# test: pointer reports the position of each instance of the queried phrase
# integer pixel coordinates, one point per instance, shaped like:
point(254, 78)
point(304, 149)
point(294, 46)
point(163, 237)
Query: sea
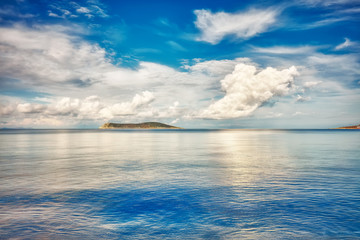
point(179, 184)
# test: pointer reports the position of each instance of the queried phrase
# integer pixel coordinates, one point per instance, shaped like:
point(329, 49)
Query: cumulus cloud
point(6, 109)
point(128, 108)
point(245, 90)
point(30, 108)
point(86, 108)
point(215, 26)
point(92, 107)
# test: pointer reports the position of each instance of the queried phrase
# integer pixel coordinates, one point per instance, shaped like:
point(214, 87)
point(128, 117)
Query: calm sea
point(180, 184)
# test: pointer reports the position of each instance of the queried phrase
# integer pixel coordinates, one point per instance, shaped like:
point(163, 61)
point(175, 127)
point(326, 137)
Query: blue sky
point(195, 64)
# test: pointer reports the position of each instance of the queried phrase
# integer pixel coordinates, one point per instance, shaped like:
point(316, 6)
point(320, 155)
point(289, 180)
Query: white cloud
point(334, 66)
point(30, 108)
point(39, 121)
point(174, 121)
point(215, 26)
point(298, 114)
point(8, 10)
point(311, 84)
point(72, 9)
point(245, 90)
point(345, 44)
point(328, 3)
point(215, 67)
point(128, 108)
point(300, 98)
point(176, 46)
point(274, 115)
point(48, 56)
point(99, 11)
point(285, 50)
point(51, 14)
point(91, 107)
point(83, 10)
point(6, 109)
point(325, 21)
point(56, 61)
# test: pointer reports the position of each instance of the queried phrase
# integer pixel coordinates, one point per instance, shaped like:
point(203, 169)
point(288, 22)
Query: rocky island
point(350, 127)
point(145, 125)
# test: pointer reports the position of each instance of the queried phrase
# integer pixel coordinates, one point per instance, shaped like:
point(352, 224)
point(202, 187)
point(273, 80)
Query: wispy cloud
point(345, 44)
point(328, 3)
point(285, 50)
point(11, 11)
point(176, 46)
point(325, 22)
point(215, 26)
point(301, 98)
point(312, 84)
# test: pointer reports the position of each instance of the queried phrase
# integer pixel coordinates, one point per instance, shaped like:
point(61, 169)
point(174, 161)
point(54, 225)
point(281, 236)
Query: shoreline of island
point(350, 127)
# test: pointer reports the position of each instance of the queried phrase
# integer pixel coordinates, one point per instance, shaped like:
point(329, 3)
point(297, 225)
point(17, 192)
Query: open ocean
point(179, 184)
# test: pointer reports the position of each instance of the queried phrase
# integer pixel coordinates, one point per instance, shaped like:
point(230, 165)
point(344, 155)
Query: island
point(350, 127)
point(145, 125)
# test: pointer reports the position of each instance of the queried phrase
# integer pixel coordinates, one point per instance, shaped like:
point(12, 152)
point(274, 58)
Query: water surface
point(180, 184)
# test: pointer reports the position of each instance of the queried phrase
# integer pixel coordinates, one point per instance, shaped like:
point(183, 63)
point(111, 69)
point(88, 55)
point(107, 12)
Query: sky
point(192, 64)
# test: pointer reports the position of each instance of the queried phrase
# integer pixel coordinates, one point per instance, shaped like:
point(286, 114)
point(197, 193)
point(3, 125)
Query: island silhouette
point(145, 125)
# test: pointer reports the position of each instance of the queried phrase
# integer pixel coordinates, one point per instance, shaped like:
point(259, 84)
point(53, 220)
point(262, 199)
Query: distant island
point(350, 127)
point(145, 125)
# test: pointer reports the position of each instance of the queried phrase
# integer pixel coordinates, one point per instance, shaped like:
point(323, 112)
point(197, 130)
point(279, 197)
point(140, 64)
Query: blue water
point(180, 184)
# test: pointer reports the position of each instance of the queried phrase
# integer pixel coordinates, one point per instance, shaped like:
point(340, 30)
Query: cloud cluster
point(245, 90)
point(57, 62)
point(55, 59)
point(91, 107)
point(215, 26)
point(90, 9)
